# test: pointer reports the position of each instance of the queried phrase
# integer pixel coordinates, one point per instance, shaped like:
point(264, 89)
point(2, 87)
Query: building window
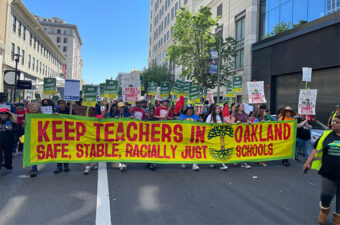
point(33, 63)
point(12, 51)
point(239, 59)
point(38, 45)
point(34, 42)
point(65, 49)
point(240, 33)
point(185, 2)
point(19, 28)
point(14, 26)
point(172, 13)
point(40, 68)
point(65, 40)
point(37, 66)
point(29, 61)
point(23, 57)
point(219, 10)
point(58, 31)
point(24, 32)
point(240, 29)
point(65, 31)
point(58, 39)
point(31, 36)
point(18, 52)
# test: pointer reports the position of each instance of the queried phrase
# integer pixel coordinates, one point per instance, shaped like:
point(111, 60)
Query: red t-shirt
point(139, 113)
point(20, 116)
point(160, 111)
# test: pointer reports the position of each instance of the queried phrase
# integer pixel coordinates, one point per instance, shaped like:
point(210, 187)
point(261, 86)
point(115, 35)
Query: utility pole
point(17, 56)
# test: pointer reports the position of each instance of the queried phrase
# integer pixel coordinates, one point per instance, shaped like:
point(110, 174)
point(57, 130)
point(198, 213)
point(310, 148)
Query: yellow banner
point(77, 139)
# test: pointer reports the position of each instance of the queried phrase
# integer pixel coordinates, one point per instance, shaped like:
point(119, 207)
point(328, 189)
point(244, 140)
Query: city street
point(170, 195)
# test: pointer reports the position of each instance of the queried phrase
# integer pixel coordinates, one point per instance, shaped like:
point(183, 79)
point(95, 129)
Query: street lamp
point(219, 62)
point(17, 57)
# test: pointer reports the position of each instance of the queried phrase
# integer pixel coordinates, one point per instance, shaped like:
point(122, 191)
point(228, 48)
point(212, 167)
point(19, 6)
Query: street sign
point(24, 84)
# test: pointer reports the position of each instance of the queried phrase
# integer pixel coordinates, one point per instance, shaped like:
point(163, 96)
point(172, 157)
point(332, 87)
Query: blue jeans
point(18, 134)
point(305, 145)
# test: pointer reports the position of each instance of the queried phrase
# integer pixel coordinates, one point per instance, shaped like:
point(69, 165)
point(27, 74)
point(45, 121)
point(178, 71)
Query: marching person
point(62, 109)
point(286, 114)
point(326, 156)
point(260, 117)
point(122, 113)
point(163, 112)
point(151, 117)
point(35, 108)
point(190, 115)
point(303, 137)
point(216, 117)
point(112, 111)
point(20, 112)
point(239, 116)
point(92, 113)
point(138, 111)
point(333, 115)
point(8, 127)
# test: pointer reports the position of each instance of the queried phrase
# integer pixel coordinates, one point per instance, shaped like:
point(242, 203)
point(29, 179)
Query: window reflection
point(279, 15)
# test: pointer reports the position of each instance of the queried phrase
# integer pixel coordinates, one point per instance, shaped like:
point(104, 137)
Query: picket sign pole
point(87, 111)
point(71, 108)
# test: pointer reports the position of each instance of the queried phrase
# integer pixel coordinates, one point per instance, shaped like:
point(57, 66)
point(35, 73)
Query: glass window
point(65, 31)
point(33, 63)
point(29, 61)
point(272, 4)
point(14, 26)
point(299, 16)
point(36, 68)
point(22, 57)
point(240, 29)
point(58, 39)
point(65, 49)
point(273, 20)
point(31, 37)
point(12, 50)
point(24, 32)
point(316, 9)
point(18, 50)
point(219, 10)
point(286, 14)
point(40, 68)
point(58, 31)
point(19, 28)
point(38, 45)
point(34, 42)
point(65, 40)
point(239, 59)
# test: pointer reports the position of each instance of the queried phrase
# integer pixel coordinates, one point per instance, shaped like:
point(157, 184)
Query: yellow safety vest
point(317, 163)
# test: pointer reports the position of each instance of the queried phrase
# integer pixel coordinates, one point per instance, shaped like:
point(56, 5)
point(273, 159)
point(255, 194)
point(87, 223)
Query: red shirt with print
point(160, 111)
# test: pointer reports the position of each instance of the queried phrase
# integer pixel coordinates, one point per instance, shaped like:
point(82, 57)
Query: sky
point(114, 33)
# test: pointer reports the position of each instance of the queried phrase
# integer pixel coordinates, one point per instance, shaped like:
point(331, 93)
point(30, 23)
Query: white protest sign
point(131, 87)
point(46, 109)
point(248, 108)
point(72, 90)
point(256, 92)
point(306, 74)
point(307, 101)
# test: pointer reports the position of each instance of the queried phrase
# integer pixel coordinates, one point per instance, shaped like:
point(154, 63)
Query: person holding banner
point(8, 128)
point(326, 160)
point(163, 112)
point(151, 117)
point(216, 116)
point(303, 137)
point(333, 115)
point(239, 116)
point(260, 117)
point(189, 115)
point(62, 109)
point(21, 112)
point(35, 108)
point(286, 114)
point(138, 111)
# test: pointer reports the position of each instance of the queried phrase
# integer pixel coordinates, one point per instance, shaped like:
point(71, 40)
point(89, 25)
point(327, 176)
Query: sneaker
point(183, 166)
point(195, 167)
point(122, 167)
point(223, 167)
point(33, 173)
point(87, 170)
point(153, 166)
point(212, 166)
point(66, 168)
point(58, 170)
point(245, 165)
point(263, 164)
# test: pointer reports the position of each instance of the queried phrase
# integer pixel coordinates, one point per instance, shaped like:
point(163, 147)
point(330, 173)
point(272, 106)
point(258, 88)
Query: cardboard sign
point(194, 95)
point(256, 92)
point(165, 89)
point(152, 88)
point(237, 84)
point(46, 109)
point(307, 74)
point(90, 95)
point(307, 101)
point(177, 89)
point(111, 88)
point(72, 90)
point(230, 92)
point(131, 87)
point(79, 110)
point(50, 86)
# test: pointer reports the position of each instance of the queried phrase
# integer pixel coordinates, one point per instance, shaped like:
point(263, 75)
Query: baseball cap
point(121, 104)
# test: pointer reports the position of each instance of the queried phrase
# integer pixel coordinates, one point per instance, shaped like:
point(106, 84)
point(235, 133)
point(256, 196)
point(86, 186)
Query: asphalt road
point(170, 195)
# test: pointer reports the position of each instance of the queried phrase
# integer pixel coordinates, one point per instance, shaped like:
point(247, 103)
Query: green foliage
point(157, 74)
point(222, 155)
point(193, 42)
point(279, 28)
point(300, 23)
point(221, 130)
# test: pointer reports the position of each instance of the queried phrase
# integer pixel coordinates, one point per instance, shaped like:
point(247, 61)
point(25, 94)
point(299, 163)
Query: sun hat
point(121, 104)
point(289, 109)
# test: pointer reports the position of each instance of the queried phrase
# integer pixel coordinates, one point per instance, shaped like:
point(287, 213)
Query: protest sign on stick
point(307, 101)
point(256, 92)
point(72, 90)
point(131, 87)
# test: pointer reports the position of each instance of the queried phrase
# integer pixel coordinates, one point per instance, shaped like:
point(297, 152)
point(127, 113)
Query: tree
point(279, 28)
point(221, 154)
point(193, 42)
point(157, 74)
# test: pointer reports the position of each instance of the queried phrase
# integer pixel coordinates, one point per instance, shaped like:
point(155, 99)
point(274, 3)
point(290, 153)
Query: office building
point(67, 38)
point(27, 42)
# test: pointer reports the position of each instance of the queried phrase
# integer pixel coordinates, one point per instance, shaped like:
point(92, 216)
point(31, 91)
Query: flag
point(179, 105)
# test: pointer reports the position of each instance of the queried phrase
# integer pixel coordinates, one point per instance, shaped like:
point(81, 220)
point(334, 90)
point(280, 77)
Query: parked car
point(317, 128)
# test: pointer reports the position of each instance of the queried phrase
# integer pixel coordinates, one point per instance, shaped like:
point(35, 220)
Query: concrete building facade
point(238, 19)
point(67, 38)
point(25, 38)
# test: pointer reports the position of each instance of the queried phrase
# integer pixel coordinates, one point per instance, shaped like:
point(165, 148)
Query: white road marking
point(103, 213)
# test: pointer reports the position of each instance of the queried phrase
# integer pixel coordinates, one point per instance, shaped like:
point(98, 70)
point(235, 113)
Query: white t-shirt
point(209, 119)
point(139, 115)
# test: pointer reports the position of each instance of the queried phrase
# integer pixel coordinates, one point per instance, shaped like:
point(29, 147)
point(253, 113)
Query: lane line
point(103, 212)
